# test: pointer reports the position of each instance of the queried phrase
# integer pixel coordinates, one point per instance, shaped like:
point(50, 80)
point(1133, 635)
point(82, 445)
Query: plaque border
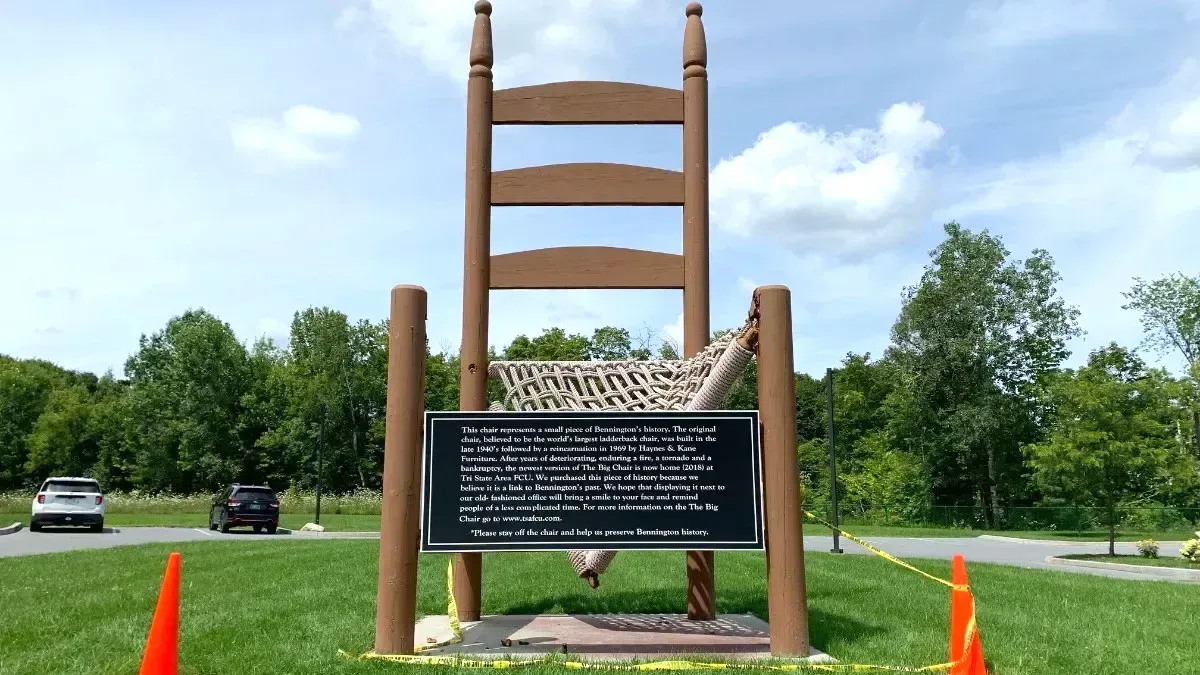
point(431, 416)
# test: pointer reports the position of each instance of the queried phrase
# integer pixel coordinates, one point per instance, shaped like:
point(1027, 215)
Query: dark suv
point(245, 505)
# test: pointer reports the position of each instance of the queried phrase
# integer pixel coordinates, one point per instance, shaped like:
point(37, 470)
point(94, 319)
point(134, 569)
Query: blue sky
point(257, 158)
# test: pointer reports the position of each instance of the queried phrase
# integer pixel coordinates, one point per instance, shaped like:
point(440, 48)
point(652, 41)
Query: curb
point(1177, 573)
point(341, 534)
point(1018, 540)
point(11, 529)
point(1060, 542)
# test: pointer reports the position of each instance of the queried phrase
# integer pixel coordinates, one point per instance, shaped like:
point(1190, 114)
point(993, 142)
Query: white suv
point(68, 501)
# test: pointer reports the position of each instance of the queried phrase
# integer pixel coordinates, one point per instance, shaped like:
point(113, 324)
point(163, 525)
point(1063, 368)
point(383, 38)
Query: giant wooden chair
point(698, 380)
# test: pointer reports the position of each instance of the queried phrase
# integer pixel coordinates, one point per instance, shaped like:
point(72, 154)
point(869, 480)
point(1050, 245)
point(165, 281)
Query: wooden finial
point(481, 41)
point(695, 48)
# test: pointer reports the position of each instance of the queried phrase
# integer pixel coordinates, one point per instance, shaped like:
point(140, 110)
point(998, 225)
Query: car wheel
point(271, 529)
point(224, 525)
point(98, 527)
point(35, 527)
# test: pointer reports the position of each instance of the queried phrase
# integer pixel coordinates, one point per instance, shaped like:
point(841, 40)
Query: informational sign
point(527, 481)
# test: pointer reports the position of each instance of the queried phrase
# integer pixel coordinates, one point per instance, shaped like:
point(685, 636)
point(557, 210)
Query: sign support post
point(396, 613)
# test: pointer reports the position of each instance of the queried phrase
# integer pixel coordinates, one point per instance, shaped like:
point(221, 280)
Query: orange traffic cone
point(966, 649)
point(162, 646)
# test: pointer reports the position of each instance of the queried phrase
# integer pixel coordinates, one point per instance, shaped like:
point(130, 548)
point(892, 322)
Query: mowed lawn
point(287, 607)
point(343, 522)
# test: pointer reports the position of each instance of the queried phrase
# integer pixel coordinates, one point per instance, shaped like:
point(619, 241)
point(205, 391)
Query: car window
point(89, 486)
point(252, 494)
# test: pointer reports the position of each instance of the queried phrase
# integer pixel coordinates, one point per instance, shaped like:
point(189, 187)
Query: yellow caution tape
point(451, 612)
point(885, 555)
point(502, 664)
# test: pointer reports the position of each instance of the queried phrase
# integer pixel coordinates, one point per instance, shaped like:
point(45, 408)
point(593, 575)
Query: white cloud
point(271, 327)
point(534, 40)
point(1122, 202)
point(1005, 23)
point(305, 119)
point(844, 193)
point(1177, 144)
point(292, 140)
point(1011, 23)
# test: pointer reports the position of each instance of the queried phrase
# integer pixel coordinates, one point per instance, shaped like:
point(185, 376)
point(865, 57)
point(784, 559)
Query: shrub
point(1190, 550)
point(1148, 548)
point(1153, 518)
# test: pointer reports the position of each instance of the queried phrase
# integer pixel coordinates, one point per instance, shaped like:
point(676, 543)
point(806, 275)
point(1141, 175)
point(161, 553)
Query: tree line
point(968, 405)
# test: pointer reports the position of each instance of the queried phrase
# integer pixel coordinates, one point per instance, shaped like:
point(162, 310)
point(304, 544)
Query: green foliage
point(554, 344)
point(967, 409)
point(199, 409)
point(1110, 439)
point(974, 342)
point(886, 476)
point(1190, 551)
point(1170, 313)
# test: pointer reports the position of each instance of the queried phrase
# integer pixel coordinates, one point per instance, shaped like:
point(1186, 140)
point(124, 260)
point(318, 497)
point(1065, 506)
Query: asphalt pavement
point(54, 540)
point(1026, 553)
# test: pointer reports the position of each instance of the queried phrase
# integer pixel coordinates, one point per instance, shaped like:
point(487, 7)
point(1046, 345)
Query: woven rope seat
point(697, 383)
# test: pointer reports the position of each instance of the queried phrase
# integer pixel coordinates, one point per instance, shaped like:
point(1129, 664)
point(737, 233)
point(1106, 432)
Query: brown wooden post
point(396, 613)
point(701, 600)
point(473, 365)
point(787, 605)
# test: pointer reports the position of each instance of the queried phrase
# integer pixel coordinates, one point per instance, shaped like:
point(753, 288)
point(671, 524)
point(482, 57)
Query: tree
point(1111, 438)
point(63, 440)
point(610, 344)
point(975, 339)
point(265, 426)
point(27, 388)
point(1170, 315)
point(111, 424)
point(441, 381)
point(882, 476)
point(343, 366)
point(554, 344)
point(185, 404)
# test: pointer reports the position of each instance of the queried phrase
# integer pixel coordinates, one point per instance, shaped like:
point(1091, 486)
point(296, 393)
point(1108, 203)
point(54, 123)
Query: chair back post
point(477, 243)
point(701, 593)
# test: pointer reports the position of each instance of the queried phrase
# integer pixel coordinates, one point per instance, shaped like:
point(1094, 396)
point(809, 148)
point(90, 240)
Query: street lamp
point(832, 460)
point(320, 460)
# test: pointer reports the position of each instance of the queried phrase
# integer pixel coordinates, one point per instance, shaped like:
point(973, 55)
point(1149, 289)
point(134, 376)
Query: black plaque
point(530, 481)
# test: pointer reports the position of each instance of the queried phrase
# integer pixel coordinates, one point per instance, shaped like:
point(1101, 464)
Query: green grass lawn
point(287, 607)
point(370, 523)
point(1137, 560)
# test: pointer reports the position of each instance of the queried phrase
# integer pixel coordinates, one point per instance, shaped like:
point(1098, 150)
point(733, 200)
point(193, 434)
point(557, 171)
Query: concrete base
point(605, 637)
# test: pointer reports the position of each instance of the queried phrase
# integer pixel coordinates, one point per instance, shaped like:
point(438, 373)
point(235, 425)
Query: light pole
point(832, 460)
point(320, 461)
